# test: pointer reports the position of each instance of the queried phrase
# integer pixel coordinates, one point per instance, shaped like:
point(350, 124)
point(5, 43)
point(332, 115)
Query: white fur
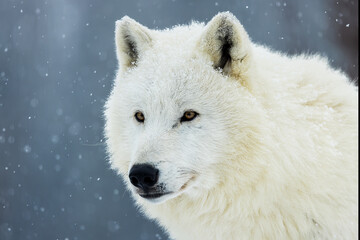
point(273, 153)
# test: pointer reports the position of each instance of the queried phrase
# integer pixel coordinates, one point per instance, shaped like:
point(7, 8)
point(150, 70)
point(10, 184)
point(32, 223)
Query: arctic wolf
point(217, 137)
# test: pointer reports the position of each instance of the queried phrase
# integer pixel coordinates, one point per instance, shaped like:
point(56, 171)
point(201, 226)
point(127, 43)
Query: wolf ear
point(131, 40)
point(227, 44)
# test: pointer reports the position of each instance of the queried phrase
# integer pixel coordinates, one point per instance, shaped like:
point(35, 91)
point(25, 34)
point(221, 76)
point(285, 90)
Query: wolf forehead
point(165, 63)
point(175, 87)
point(174, 90)
point(168, 62)
point(177, 78)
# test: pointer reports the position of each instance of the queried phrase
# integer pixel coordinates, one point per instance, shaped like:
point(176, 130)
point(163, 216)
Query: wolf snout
point(143, 176)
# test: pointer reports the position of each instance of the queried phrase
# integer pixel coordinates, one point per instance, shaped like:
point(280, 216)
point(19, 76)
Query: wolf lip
point(152, 195)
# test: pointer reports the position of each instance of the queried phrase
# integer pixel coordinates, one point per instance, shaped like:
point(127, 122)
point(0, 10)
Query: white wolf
point(220, 138)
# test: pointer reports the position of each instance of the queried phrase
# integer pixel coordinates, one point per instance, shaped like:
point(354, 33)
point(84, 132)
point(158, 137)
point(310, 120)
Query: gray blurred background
point(57, 65)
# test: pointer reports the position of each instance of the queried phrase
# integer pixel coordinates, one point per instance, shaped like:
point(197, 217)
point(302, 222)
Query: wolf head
point(178, 97)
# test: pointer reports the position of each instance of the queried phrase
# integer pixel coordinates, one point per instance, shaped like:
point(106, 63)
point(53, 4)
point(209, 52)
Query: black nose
point(143, 176)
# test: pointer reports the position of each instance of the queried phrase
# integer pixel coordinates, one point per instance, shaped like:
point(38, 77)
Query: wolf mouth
point(153, 195)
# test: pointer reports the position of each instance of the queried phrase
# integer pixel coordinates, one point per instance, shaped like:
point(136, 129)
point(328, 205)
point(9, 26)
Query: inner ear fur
point(131, 40)
point(227, 44)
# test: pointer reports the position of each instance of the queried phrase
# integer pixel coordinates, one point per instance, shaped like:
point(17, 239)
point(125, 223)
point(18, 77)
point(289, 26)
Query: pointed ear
point(227, 44)
point(131, 40)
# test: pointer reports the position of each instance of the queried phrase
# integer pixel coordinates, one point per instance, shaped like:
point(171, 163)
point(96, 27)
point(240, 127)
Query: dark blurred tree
point(346, 15)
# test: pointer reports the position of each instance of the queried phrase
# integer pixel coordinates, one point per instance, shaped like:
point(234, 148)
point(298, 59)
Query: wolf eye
point(139, 116)
point(188, 116)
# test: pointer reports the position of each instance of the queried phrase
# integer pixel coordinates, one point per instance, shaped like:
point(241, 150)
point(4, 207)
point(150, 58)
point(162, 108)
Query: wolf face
point(169, 126)
point(231, 138)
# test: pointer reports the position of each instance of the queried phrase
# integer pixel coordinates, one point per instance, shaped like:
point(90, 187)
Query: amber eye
point(139, 116)
point(188, 116)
